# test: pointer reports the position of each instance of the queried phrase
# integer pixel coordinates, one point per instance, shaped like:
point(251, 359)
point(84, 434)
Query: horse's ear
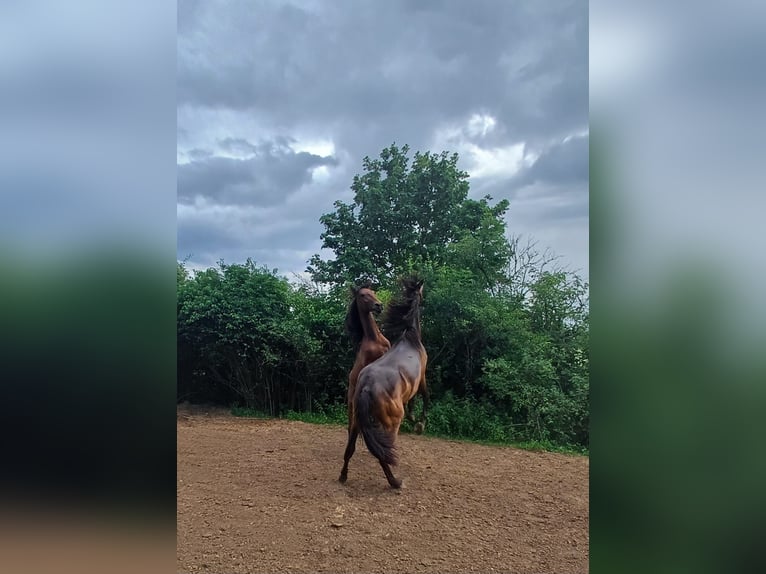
point(354, 290)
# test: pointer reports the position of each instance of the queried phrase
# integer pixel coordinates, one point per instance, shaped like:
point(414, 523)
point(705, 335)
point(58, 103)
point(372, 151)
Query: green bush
point(334, 414)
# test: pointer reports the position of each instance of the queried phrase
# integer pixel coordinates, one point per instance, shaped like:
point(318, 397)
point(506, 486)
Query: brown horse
point(366, 336)
point(385, 386)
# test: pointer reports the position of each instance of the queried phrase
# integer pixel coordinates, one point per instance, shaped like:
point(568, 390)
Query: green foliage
point(410, 215)
point(334, 414)
point(249, 413)
point(238, 330)
point(507, 338)
point(467, 418)
point(480, 421)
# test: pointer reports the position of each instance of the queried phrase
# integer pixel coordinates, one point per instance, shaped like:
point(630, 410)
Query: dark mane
point(402, 316)
point(353, 323)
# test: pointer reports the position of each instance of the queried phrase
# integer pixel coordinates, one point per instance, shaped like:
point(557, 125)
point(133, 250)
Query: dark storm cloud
point(261, 233)
point(268, 177)
point(360, 75)
point(410, 65)
point(576, 209)
point(564, 163)
point(238, 145)
point(549, 200)
point(199, 155)
point(560, 170)
point(205, 238)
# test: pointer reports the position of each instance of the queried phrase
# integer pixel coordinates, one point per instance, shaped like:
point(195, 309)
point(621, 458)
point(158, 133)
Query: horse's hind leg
point(350, 448)
point(392, 480)
point(392, 428)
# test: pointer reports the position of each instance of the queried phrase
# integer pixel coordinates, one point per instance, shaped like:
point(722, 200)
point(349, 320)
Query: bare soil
point(263, 496)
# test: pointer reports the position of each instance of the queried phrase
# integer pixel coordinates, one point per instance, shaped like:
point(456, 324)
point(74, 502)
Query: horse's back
point(398, 371)
point(409, 360)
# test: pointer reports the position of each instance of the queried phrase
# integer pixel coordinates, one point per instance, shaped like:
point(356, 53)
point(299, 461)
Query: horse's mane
point(353, 323)
point(402, 315)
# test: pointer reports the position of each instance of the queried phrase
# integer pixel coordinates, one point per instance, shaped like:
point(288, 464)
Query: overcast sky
point(278, 102)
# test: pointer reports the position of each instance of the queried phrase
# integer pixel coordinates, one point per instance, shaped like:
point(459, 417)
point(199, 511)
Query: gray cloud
point(267, 177)
point(268, 235)
point(358, 76)
point(205, 240)
point(554, 186)
point(562, 163)
point(410, 65)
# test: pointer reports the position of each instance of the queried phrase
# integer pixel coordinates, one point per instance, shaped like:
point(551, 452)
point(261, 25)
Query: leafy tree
point(322, 315)
point(540, 376)
point(236, 329)
point(407, 215)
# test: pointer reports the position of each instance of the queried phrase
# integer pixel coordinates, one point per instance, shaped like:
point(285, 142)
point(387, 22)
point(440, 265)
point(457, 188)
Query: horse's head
point(367, 301)
point(413, 288)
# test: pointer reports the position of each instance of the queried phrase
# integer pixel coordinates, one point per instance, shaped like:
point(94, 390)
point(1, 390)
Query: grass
point(333, 415)
point(249, 413)
point(336, 415)
point(532, 445)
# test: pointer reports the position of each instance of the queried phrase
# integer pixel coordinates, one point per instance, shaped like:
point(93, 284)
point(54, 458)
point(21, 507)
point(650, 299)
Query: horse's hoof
point(396, 483)
point(342, 478)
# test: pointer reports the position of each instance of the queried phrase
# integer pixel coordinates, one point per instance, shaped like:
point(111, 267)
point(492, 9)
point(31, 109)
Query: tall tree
point(411, 214)
point(237, 328)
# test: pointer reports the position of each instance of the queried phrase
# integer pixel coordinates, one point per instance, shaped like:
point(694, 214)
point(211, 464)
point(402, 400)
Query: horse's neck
point(369, 326)
point(414, 328)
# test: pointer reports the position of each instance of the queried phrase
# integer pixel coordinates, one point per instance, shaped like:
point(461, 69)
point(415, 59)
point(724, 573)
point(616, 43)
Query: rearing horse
point(365, 334)
point(385, 386)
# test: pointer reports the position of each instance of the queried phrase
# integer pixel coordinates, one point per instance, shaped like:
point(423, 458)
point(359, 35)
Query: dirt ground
point(263, 496)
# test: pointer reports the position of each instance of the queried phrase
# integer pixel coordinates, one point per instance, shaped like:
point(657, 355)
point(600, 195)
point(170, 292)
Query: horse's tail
point(380, 443)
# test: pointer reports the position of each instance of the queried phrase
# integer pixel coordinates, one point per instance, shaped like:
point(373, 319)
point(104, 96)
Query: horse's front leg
point(408, 411)
point(350, 405)
point(425, 393)
point(350, 448)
